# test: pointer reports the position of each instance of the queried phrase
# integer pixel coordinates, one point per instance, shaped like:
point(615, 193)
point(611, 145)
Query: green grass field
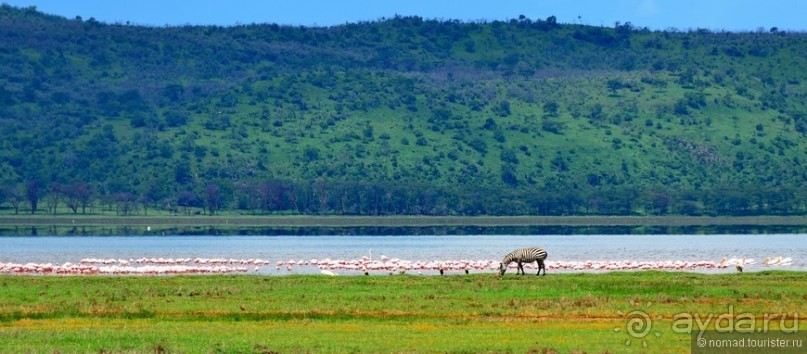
point(477, 313)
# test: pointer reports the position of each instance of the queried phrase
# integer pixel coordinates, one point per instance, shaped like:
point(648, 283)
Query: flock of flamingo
point(365, 265)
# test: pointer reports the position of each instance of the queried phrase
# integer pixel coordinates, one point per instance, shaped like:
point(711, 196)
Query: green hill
point(401, 116)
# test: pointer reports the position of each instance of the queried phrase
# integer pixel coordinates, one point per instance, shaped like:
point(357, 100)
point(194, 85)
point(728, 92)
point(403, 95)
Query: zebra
point(524, 255)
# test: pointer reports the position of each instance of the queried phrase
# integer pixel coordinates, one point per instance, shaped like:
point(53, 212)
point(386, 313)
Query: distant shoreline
point(400, 221)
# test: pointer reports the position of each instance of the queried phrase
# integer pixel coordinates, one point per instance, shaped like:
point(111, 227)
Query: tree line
point(358, 198)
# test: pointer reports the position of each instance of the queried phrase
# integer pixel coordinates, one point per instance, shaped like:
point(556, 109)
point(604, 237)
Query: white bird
point(328, 272)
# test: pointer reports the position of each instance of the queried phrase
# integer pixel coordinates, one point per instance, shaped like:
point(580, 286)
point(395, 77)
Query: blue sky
point(733, 15)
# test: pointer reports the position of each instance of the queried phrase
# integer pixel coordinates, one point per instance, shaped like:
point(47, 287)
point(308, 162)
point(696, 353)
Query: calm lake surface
point(60, 249)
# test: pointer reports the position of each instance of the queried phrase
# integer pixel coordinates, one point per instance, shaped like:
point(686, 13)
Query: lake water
point(61, 249)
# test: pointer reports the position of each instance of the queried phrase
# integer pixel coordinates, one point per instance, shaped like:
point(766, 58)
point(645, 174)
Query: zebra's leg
point(541, 266)
point(520, 269)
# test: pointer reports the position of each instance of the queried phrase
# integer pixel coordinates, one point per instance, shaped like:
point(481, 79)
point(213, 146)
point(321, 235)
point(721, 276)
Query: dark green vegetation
point(412, 221)
point(476, 313)
point(400, 116)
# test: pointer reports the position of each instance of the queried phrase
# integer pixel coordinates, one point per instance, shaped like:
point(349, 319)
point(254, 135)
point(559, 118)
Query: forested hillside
point(400, 116)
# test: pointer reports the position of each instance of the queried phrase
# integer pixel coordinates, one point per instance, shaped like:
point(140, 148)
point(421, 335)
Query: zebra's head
point(502, 269)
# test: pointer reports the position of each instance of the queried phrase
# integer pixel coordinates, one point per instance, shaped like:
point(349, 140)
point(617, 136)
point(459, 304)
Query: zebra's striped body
point(524, 255)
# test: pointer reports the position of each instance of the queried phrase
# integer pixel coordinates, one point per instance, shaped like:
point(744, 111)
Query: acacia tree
point(614, 85)
point(145, 201)
point(32, 192)
point(77, 195)
point(247, 197)
point(83, 192)
point(551, 109)
point(212, 198)
point(270, 195)
point(69, 198)
point(125, 203)
point(53, 197)
point(187, 199)
point(14, 196)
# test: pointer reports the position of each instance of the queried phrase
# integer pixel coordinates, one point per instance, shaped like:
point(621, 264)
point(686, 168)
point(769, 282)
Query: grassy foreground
point(401, 313)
